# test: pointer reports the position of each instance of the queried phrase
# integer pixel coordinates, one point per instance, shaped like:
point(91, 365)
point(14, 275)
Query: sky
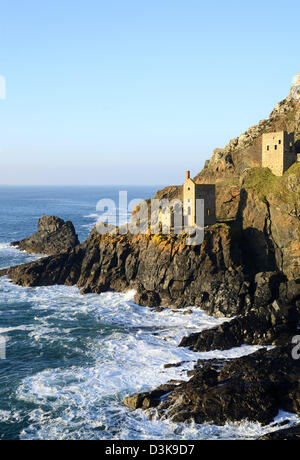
point(136, 91)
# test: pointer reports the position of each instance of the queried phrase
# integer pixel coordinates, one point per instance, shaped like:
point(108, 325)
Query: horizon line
point(85, 185)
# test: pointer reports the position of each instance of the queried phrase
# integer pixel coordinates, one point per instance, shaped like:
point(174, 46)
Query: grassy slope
point(265, 184)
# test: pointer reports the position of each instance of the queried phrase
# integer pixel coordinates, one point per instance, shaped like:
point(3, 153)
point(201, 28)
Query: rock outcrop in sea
point(54, 236)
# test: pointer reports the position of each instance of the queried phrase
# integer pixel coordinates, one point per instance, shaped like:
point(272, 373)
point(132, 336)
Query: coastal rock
point(287, 434)
point(269, 219)
point(251, 388)
point(272, 319)
point(269, 326)
point(147, 299)
point(162, 268)
point(60, 269)
point(264, 210)
point(54, 236)
point(148, 399)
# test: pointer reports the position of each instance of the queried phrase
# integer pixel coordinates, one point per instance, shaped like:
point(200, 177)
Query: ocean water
point(71, 359)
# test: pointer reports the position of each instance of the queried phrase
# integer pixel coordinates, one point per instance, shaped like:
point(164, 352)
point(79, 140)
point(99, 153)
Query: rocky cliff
point(162, 268)
point(269, 215)
point(244, 152)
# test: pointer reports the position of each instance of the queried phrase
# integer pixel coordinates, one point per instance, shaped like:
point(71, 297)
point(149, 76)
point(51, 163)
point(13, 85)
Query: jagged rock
point(54, 236)
point(60, 269)
point(272, 319)
point(266, 212)
point(147, 299)
point(161, 267)
point(267, 287)
point(270, 326)
point(148, 399)
point(253, 387)
point(269, 219)
point(245, 151)
point(3, 272)
point(288, 434)
point(168, 366)
point(215, 364)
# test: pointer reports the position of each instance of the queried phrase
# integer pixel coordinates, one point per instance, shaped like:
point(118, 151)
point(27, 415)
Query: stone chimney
point(187, 175)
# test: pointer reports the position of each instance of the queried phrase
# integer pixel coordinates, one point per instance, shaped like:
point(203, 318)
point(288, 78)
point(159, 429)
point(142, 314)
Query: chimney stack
point(187, 175)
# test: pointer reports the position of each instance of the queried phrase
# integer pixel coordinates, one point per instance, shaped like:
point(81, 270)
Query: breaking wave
point(71, 360)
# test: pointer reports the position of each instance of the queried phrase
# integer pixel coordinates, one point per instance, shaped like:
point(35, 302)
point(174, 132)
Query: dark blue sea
point(68, 360)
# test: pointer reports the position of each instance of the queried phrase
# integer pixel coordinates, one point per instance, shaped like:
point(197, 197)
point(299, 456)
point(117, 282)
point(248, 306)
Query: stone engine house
point(278, 151)
point(193, 192)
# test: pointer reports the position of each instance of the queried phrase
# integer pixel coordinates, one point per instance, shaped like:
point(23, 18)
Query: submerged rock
point(54, 236)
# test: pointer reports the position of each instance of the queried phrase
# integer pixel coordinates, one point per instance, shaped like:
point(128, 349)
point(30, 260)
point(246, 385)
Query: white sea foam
point(4, 330)
point(10, 255)
point(84, 401)
point(92, 216)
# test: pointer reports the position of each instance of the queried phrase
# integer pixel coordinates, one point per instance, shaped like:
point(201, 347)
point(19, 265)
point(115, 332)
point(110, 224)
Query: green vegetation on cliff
point(265, 184)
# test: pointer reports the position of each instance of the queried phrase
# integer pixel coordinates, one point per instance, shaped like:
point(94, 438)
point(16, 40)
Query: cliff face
point(266, 209)
point(244, 152)
point(269, 214)
point(228, 166)
point(163, 269)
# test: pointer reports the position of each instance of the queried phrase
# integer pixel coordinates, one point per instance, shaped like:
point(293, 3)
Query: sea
point(68, 360)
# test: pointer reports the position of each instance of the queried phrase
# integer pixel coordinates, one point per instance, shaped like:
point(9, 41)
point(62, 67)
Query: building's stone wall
point(192, 192)
point(289, 151)
point(189, 196)
point(207, 192)
point(288, 160)
point(278, 151)
point(272, 152)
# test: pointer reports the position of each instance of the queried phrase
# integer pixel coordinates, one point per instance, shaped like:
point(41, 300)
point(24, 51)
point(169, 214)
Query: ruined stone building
point(278, 151)
point(193, 192)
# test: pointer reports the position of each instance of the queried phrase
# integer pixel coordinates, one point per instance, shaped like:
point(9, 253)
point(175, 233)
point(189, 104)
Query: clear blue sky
point(136, 91)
